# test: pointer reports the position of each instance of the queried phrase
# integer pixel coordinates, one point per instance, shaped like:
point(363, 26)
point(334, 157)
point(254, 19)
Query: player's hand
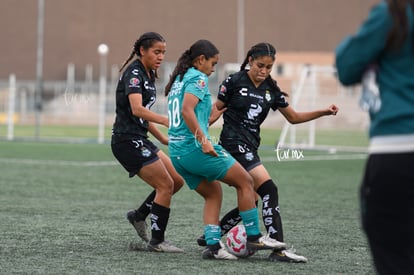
point(333, 109)
point(215, 114)
point(165, 121)
point(164, 140)
point(208, 148)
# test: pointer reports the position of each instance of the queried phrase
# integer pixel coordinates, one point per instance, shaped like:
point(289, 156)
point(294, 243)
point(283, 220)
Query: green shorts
point(196, 166)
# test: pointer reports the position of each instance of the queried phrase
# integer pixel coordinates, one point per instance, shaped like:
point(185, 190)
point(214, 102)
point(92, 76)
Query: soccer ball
point(236, 240)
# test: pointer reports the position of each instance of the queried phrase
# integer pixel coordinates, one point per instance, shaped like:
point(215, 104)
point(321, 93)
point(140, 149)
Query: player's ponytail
point(145, 41)
point(199, 48)
point(246, 60)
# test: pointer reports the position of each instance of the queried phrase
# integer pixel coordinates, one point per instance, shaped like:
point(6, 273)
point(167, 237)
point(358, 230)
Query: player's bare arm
point(299, 117)
point(139, 110)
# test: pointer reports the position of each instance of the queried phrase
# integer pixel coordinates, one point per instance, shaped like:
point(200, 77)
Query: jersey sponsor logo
point(256, 96)
point(254, 111)
point(150, 102)
point(134, 82)
point(148, 87)
point(135, 71)
point(148, 106)
point(176, 89)
point(201, 83)
point(243, 91)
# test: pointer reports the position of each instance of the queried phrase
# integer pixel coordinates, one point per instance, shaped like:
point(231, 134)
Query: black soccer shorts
point(135, 153)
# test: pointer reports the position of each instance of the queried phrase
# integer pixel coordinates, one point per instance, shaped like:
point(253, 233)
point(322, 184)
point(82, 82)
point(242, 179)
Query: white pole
point(314, 86)
point(39, 66)
point(103, 52)
point(70, 77)
point(12, 103)
point(240, 30)
point(87, 88)
point(297, 91)
point(89, 76)
point(23, 106)
point(70, 85)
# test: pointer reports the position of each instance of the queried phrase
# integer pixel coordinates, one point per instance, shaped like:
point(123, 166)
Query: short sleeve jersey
point(181, 139)
point(247, 107)
point(134, 80)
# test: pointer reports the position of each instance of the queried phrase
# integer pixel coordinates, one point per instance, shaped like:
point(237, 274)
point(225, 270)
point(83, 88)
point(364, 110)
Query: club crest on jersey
point(268, 96)
point(249, 156)
point(201, 83)
point(134, 82)
point(145, 152)
point(223, 90)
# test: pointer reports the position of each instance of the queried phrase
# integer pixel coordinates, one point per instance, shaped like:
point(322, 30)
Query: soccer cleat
point(286, 256)
point(164, 246)
point(139, 225)
point(220, 254)
point(265, 242)
point(201, 241)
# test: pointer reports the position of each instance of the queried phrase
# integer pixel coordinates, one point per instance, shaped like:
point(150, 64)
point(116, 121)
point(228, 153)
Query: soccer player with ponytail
point(135, 94)
point(245, 99)
point(198, 160)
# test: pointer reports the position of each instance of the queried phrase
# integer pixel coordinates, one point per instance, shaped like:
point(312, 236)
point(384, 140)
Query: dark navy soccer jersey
point(247, 107)
point(134, 80)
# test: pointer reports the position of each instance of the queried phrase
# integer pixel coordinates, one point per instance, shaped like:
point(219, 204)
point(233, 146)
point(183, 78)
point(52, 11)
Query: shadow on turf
point(137, 246)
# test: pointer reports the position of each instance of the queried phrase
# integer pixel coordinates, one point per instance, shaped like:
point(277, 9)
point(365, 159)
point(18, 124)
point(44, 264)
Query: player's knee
point(178, 184)
point(246, 181)
point(165, 187)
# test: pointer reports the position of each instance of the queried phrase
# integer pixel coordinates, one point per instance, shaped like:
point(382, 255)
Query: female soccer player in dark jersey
point(135, 94)
point(246, 98)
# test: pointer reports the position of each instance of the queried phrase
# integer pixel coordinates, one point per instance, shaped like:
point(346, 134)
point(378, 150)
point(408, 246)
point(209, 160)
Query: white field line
point(59, 162)
point(315, 158)
point(114, 163)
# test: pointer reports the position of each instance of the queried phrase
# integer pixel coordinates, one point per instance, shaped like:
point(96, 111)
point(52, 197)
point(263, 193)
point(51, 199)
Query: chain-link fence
point(74, 103)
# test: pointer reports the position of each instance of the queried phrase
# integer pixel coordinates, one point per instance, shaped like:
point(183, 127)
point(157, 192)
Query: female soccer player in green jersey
point(200, 162)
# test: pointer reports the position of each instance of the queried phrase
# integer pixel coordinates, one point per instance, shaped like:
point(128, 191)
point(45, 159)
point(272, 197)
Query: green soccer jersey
point(181, 140)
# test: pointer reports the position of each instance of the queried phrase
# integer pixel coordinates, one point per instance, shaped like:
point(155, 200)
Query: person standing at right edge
point(385, 40)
